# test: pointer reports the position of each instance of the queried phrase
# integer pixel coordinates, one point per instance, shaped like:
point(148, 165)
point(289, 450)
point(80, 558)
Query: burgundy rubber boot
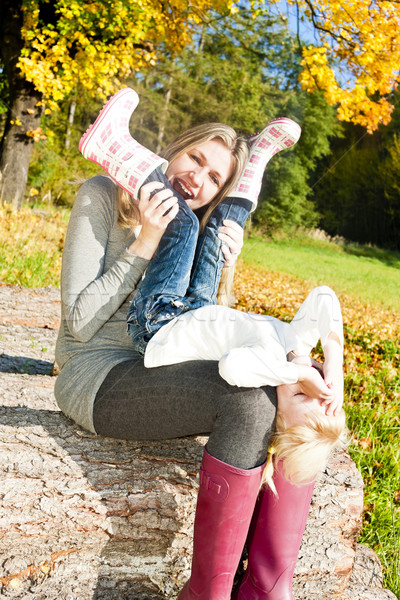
point(225, 505)
point(274, 541)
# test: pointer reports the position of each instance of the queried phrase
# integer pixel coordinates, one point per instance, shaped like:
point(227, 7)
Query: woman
point(104, 386)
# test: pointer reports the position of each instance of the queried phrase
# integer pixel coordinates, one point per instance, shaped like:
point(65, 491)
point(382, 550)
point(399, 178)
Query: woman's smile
point(201, 172)
point(182, 188)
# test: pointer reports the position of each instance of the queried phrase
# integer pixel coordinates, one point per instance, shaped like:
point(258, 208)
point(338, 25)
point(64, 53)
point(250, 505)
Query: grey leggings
point(136, 403)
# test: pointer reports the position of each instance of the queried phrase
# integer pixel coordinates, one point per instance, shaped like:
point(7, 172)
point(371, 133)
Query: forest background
point(241, 62)
point(333, 67)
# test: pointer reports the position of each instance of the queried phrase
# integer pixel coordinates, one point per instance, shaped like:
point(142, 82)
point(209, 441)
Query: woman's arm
point(91, 291)
point(231, 234)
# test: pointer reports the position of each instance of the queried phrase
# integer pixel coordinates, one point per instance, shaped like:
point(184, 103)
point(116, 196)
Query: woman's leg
point(190, 398)
point(225, 503)
point(186, 399)
point(275, 536)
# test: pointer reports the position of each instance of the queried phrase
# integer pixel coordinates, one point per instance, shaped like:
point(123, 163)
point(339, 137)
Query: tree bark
point(17, 146)
point(24, 113)
point(71, 116)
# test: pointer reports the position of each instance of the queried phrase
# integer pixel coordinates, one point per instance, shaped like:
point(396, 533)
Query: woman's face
point(200, 173)
point(294, 406)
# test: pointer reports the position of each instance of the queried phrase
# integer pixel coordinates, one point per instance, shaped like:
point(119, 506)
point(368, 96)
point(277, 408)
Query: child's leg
point(161, 295)
point(209, 259)
point(109, 144)
point(278, 135)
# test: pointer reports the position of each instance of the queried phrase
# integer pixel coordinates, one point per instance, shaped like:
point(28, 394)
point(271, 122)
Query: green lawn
point(372, 368)
point(369, 273)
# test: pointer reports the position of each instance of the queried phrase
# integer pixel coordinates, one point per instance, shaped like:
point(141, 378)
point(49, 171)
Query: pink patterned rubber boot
point(274, 541)
point(109, 144)
point(225, 504)
point(278, 135)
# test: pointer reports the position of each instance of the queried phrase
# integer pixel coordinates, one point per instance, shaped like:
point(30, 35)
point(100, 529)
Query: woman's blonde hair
point(205, 132)
point(128, 215)
point(301, 451)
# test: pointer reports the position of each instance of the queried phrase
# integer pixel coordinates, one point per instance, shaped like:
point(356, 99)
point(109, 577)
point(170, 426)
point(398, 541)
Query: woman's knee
point(250, 412)
point(244, 425)
point(256, 406)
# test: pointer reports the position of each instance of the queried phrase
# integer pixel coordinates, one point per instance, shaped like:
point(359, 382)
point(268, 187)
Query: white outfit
point(251, 349)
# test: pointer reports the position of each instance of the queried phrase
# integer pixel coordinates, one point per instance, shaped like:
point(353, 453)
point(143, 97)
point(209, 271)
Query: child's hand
point(312, 384)
point(333, 376)
point(333, 373)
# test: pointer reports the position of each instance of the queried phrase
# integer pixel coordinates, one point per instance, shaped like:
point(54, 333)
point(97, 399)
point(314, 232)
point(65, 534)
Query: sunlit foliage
point(89, 45)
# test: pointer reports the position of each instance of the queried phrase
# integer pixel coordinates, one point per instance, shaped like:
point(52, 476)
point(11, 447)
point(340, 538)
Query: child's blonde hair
point(301, 451)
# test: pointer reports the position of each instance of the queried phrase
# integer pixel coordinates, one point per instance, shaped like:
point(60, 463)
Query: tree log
point(86, 517)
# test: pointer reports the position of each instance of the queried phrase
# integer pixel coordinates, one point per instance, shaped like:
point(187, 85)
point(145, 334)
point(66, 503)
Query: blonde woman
point(104, 386)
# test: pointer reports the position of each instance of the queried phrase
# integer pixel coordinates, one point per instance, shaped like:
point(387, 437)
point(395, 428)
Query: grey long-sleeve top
point(98, 281)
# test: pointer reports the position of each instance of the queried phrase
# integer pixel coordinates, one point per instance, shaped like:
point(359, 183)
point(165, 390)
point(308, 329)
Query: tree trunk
point(94, 518)
point(71, 116)
point(161, 129)
point(24, 114)
point(17, 146)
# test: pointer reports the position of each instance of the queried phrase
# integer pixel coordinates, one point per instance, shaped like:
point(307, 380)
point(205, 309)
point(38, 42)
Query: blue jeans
point(185, 271)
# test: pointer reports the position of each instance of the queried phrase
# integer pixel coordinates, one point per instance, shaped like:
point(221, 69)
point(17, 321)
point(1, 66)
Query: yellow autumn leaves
point(90, 45)
point(357, 65)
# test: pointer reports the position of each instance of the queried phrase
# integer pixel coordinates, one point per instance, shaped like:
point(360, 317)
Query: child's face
point(294, 406)
point(200, 173)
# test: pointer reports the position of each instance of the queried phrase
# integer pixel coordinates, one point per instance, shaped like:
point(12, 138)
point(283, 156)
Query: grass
point(31, 243)
point(274, 277)
point(369, 273)
point(373, 410)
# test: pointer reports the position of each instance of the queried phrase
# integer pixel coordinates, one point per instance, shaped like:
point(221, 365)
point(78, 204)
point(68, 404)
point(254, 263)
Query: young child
point(255, 350)
point(185, 270)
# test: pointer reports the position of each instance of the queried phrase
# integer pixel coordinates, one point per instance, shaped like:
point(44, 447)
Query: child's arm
point(319, 317)
point(324, 382)
point(333, 372)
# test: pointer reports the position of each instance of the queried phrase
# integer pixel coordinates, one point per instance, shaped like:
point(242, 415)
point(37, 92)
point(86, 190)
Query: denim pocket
point(139, 336)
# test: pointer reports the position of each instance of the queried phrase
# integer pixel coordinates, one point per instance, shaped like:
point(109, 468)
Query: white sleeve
point(256, 366)
point(317, 317)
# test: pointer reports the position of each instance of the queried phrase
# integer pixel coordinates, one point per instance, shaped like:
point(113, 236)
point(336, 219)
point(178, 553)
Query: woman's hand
point(231, 234)
point(156, 212)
